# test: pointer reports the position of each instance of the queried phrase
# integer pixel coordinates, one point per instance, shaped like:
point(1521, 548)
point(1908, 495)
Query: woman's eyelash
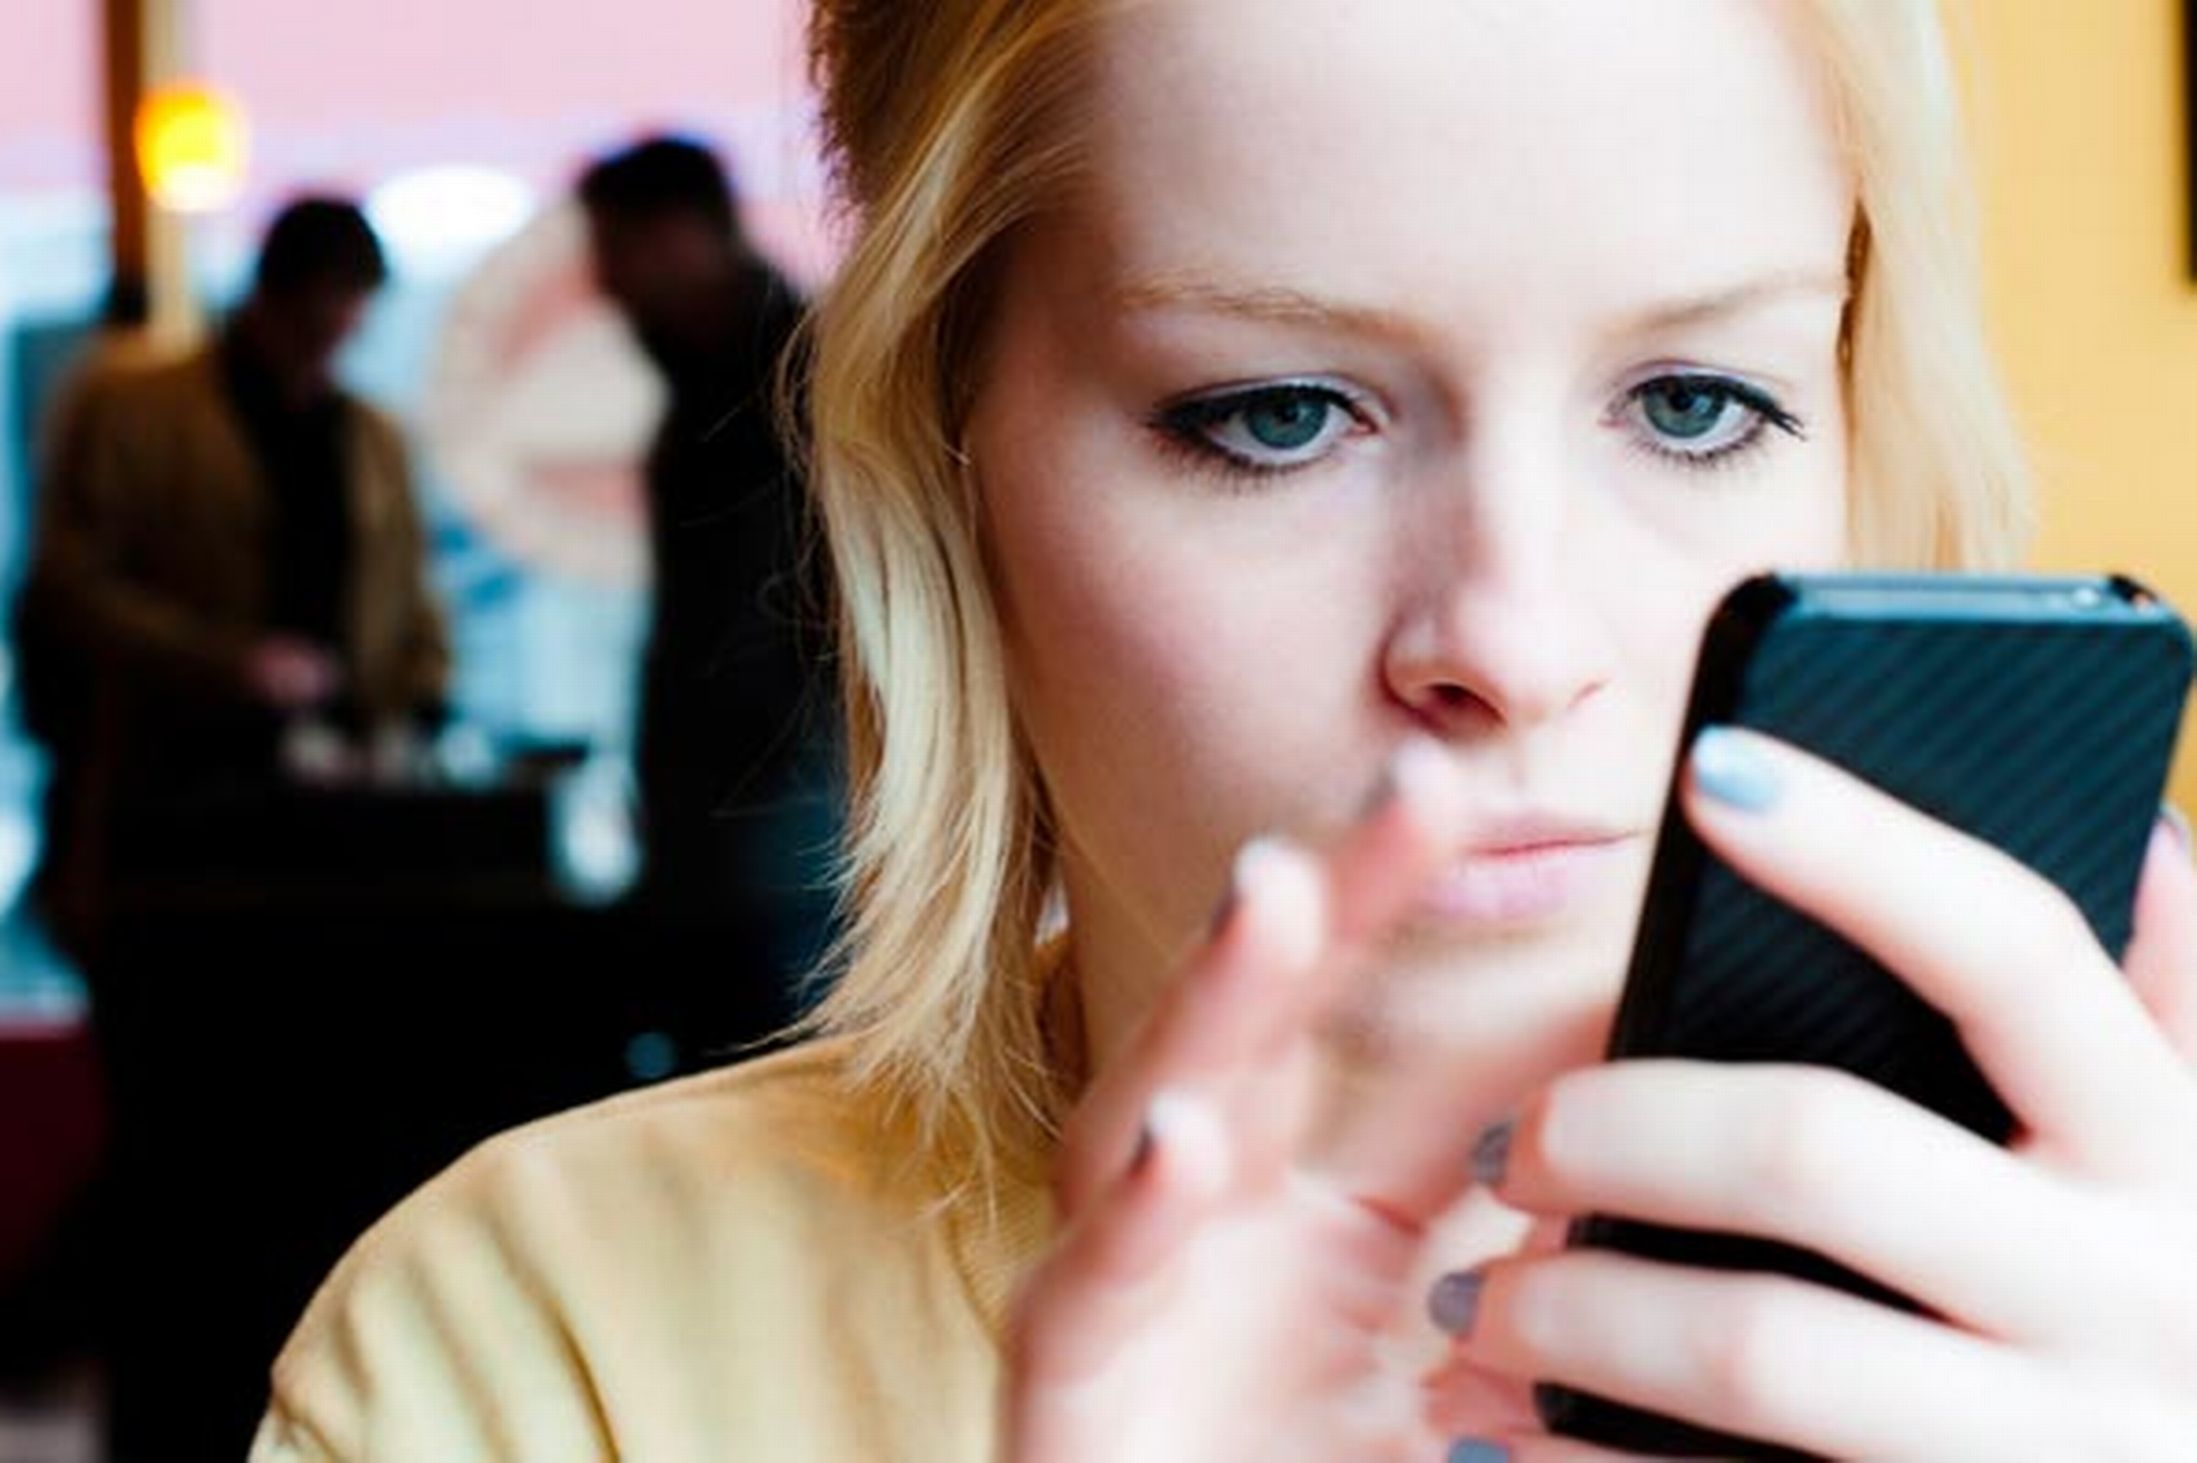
point(1302, 422)
point(1276, 428)
point(1689, 390)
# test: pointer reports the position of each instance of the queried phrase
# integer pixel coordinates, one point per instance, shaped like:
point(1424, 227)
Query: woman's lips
point(1529, 881)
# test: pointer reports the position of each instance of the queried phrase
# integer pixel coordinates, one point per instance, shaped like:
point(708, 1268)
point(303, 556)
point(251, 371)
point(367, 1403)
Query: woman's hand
point(2060, 1275)
point(1238, 1277)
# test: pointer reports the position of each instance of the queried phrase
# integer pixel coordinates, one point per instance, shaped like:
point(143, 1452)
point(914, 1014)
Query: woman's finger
point(2161, 963)
point(1992, 944)
point(1464, 1401)
point(1106, 1278)
point(1405, 1147)
point(1217, 1018)
point(1768, 1358)
point(1291, 927)
point(1379, 867)
point(1832, 1164)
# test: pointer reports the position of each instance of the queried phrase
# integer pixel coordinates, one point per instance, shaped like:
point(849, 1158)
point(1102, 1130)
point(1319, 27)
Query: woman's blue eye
point(1699, 418)
point(1685, 410)
point(1286, 423)
point(1264, 428)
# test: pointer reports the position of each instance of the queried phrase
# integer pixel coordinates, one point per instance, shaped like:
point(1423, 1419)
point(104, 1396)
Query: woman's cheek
point(1184, 693)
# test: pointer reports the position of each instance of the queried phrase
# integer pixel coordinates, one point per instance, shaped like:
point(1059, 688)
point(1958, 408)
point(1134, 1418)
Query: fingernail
point(2176, 824)
point(1402, 772)
point(1251, 861)
point(1478, 1450)
point(1188, 1132)
point(1164, 1117)
point(1728, 768)
point(1409, 772)
point(1161, 1116)
point(1454, 1301)
point(1242, 874)
point(1491, 1153)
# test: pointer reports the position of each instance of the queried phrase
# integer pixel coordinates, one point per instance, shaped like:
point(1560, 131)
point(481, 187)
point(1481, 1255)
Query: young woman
point(1278, 457)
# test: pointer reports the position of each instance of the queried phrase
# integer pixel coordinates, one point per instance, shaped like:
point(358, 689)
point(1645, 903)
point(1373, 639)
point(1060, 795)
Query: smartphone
point(2038, 714)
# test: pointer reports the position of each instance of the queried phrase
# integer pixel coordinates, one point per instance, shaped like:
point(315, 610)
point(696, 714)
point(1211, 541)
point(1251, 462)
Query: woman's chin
point(1535, 1002)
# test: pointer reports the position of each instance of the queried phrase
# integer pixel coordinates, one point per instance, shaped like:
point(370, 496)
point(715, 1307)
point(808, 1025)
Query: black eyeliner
point(1765, 406)
point(1180, 424)
point(1767, 411)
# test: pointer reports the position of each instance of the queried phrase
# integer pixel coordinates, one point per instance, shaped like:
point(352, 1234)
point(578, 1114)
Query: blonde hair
point(950, 123)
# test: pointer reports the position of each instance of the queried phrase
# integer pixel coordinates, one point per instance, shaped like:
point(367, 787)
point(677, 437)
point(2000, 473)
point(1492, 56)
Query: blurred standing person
point(737, 755)
point(228, 546)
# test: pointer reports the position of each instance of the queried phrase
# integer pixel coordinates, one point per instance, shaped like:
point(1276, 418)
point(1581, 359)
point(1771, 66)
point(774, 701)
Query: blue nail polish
point(1728, 768)
point(1491, 1154)
point(1478, 1450)
point(1454, 1302)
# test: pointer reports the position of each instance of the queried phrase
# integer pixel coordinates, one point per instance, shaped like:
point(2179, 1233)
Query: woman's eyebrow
point(1280, 305)
point(1273, 305)
point(1738, 299)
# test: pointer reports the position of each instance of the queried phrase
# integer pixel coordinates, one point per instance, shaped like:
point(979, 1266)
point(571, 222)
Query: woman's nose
point(1502, 628)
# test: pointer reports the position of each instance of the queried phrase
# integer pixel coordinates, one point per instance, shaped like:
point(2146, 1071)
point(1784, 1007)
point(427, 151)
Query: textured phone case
point(2039, 716)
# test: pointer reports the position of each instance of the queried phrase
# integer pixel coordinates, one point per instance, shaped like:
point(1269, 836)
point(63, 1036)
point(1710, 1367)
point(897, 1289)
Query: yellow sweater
point(735, 1266)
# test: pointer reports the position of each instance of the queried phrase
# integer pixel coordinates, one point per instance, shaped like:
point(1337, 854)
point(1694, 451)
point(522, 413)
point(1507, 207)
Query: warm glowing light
point(191, 148)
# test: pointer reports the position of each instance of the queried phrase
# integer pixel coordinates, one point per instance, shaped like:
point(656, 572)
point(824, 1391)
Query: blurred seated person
point(229, 565)
point(736, 757)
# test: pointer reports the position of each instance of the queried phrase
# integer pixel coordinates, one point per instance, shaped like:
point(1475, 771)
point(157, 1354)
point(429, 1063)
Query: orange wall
point(2077, 141)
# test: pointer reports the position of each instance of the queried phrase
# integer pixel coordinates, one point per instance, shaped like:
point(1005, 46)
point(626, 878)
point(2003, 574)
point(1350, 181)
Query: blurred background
point(312, 995)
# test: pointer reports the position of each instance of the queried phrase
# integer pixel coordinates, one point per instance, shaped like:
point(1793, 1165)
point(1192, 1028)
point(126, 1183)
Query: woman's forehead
point(1611, 150)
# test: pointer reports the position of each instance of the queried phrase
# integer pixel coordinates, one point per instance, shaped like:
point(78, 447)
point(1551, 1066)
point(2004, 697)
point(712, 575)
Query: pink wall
point(343, 93)
point(346, 92)
point(339, 63)
point(49, 96)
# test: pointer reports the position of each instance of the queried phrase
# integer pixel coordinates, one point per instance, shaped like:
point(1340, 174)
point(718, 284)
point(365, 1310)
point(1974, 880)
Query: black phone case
point(2037, 714)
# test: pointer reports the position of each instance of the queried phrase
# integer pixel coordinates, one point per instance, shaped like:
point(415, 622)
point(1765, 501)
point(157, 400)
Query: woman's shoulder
point(797, 1116)
point(628, 1276)
point(770, 1129)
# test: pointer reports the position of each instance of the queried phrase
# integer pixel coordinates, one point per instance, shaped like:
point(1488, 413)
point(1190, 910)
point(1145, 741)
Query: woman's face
point(1428, 366)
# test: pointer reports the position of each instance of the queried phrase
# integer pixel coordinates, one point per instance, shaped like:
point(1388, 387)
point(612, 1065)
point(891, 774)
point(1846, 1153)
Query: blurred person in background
point(229, 566)
point(736, 748)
